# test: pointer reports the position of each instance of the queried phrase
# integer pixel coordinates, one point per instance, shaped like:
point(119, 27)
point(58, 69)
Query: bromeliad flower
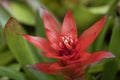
point(64, 45)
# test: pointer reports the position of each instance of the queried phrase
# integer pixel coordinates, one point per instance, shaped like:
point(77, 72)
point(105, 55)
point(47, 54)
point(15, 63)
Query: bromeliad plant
point(63, 44)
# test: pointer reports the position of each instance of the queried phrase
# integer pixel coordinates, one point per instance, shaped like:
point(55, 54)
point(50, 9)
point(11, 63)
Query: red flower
point(64, 45)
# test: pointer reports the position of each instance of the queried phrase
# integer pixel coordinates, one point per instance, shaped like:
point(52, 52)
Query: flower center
point(66, 42)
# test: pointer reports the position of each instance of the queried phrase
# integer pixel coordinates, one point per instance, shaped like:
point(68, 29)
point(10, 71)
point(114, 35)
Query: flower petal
point(56, 56)
point(66, 70)
point(69, 25)
point(97, 56)
point(52, 68)
point(39, 42)
point(52, 55)
point(52, 27)
point(90, 34)
point(43, 67)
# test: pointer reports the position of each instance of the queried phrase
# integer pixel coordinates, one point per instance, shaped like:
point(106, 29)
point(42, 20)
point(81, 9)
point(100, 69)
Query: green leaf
point(4, 16)
point(11, 74)
point(21, 12)
point(96, 68)
point(90, 77)
point(43, 76)
point(5, 58)
point(114, 44)
point(40, 30)
point(17, 44)
point(95, 3)
point(2, 41)
point(99, 10)
point(15, 66)
point(110, 70)
point(113, 7)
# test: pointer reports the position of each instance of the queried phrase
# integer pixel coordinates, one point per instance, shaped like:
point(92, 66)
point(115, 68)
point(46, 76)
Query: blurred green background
point(16, 53)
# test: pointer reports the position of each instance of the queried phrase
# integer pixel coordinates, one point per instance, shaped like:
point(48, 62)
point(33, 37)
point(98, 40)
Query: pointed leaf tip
point(69, 25)
point(17, 45)
point(42, 10)
point(110, 55)
point(11, 20)
point(97, 56)
point(105, 18)
point(89, 35)
point(39, 42)
point(51, 25)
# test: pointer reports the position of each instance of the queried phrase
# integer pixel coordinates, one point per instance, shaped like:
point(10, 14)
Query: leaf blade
point(17, 44)
point(4, 71)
